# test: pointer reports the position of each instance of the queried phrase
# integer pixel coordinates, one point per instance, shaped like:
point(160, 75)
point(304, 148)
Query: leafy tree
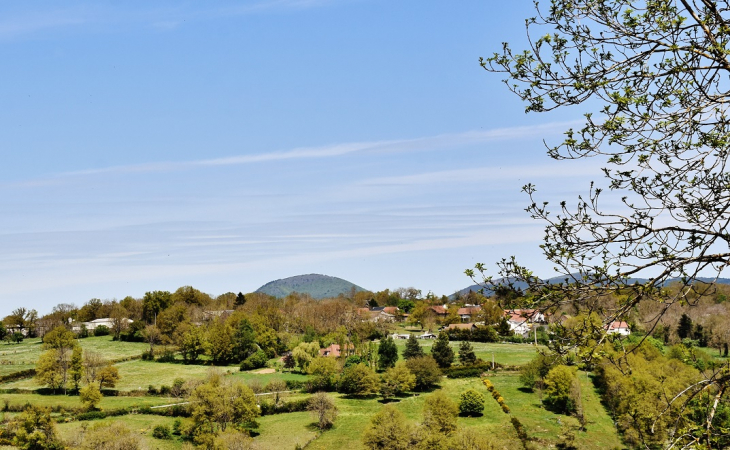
point(304, 353)
point(397, 380)
point(217, 404)
point(471, 439)
point(533, 373)
point(17, 337)
point(76, 369)
point(387, 429)
point(559, 387)
point(153, 303)
point(651, 77)
point(466, 353)
point(442, 352)
point(440, 413)
point(193, 344)
point(101, 330)
point(324, 370)
point(35, 430)
point(48, 370)
point(359, 380)
point(108, 376)
point(471, 403)
point(90, 396)
point(413, 348)
point(684, 329)
point(387, 353)
point(426, 370)
point(220, 343)
point(323, 410)
point(244, 340)
point(3, 331)
point(255, 361)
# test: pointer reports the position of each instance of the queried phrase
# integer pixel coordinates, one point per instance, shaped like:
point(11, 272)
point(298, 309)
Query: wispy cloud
point(485, 174)
point(33, 23)
point(421, 144)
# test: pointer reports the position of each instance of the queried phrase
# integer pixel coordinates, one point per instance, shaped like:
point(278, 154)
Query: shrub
point(101, 330)
point(359, 380)
point(471, 402)
point(425, 369)
point(505, 409)
point(167, 356)
point(162, 432)
point(148, 356)
point(255, 361)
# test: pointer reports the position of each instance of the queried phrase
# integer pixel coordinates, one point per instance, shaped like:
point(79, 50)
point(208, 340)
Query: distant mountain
point(318, 286)
point(522, 285)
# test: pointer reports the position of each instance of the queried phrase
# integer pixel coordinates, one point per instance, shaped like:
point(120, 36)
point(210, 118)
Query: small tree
point(504, 329)
point(471, 403)
point(684, 329)
point(440, 413)
point(323, 410)
point(359, 380)
point(559, 389)
point(76, 369)
point(387, 353)
point(193, 344)
point(387, 429)
point(323, 369)
point(90, 396)
point(397, 380)
point(35, 430)
point(466, 353)
point(304, 353)
point(107, 376)
point(413, 348)
point(426, 370)
point(442, 352)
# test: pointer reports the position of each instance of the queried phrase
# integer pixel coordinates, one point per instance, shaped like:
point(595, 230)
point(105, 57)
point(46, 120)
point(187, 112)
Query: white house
point(519, 325)
point(618, 327)
point(91, 326)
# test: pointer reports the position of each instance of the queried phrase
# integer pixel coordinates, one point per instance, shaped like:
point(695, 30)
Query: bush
point(101, 330)
point(162, 432)
point(359, 380)
point(168, 356)
point(471, 403)
point(475, 370)
point(255, 361)
point(426, 370)
point(148, 356)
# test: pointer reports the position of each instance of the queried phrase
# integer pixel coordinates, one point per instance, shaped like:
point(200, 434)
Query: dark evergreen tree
point(240, 299)
point(441, 352)
point(466, 353)
point(244, 341)
point(684, 329)
point(387, 353)
point(372, 303)
point(504, 329)
point(413, 348)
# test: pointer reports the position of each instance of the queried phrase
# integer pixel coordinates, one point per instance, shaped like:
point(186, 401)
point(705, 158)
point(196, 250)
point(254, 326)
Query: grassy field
point(285, 431)
point(507, 354)
point(23, 356)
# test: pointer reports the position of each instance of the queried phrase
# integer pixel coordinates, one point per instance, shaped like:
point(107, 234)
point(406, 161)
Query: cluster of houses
point(521, 321)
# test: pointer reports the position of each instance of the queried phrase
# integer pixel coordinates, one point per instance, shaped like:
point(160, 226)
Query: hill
point(318, 286)
point(522, 286)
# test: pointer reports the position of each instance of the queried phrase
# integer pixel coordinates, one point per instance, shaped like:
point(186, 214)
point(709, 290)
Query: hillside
point(318, 286)
point(521, 285)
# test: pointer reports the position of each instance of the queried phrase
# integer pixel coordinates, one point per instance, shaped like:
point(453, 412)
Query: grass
point(23, 356)
point(507, 354)
point(72, 401)
point(141, 424)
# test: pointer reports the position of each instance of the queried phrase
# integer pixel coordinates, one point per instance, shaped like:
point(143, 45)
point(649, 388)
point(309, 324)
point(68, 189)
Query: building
point(618, 327)
point(468, 312)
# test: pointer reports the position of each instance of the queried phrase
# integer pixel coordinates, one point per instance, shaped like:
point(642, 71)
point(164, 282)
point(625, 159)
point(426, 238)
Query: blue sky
point(150, 145)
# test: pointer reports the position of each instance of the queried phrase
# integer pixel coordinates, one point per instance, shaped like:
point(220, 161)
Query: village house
point(468, 312)
point(460, 326)
point(618, 327)
point(332, 351)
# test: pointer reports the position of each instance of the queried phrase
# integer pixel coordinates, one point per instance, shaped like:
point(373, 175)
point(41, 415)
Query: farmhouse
point(617, 327)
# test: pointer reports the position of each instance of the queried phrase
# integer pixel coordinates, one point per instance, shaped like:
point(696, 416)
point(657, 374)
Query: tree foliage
point(426, 371)
point(471, 403)
point(387, 429)
point(440, 414)
point(442, 352)
point(413, 348)
point(387, 353)
point(652, 79)
point(323, 409)
point(359, 380)
point(397, 380)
